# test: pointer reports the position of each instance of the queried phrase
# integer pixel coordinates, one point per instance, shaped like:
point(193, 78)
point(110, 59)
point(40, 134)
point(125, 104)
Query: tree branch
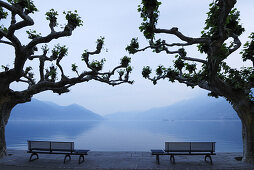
point(48, 38)
point(194, 59)
point(6, 42)
point(237, 43)
point(177, 33)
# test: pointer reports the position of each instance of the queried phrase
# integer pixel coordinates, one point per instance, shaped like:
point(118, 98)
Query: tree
point(48, 79)
point(212, 73)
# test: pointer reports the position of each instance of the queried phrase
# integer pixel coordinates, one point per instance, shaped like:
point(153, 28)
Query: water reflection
point(126, 135)
point(18, 132)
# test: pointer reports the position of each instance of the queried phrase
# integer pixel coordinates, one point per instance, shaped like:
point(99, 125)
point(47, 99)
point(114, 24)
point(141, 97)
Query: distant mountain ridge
point(201, 108)
point(39, 110)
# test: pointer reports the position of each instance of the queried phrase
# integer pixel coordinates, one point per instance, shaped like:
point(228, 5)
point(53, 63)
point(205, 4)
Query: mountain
point(202, 108)
point(39, 110)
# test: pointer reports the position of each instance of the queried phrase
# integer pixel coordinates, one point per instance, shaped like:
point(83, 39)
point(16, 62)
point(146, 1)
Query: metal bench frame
point(49, 150)
point(190, 151)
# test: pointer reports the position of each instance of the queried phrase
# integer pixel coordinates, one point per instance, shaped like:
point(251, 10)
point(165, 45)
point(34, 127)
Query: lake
point(125, 135)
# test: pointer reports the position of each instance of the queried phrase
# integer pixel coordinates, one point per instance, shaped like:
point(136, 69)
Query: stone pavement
point(19, 160)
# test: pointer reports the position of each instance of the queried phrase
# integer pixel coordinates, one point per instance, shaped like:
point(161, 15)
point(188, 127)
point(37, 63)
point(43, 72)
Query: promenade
point(19, 160)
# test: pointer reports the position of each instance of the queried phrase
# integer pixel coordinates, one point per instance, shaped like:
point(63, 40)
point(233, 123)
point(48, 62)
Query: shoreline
point(19, 160)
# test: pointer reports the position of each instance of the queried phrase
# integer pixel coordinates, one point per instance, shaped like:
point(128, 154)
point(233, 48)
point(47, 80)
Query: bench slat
point(189, 146)
point(62, 146)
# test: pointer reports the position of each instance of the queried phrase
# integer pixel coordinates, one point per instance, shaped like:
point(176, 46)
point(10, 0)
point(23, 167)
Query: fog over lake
point(108, 135)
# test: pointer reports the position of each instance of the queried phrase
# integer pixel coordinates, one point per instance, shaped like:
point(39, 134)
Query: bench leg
point(172, 159)
point(157, 159)
point(34, 158)
point(209, 156)
point(67, 155)
point(83, 159)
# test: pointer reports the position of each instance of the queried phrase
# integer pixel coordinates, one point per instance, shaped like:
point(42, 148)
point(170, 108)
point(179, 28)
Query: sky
point(118, 22)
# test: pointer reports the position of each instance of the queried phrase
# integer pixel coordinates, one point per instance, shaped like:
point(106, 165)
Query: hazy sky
point(118, 22)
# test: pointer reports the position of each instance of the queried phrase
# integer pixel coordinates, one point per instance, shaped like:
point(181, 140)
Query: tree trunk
point(3, 151)
point(5, 110)
point(248, 139)
point(245, 110)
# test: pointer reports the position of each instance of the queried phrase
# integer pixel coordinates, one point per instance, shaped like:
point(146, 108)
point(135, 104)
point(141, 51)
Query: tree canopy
point(52, 77)
point(222, 25)
point(219, 39)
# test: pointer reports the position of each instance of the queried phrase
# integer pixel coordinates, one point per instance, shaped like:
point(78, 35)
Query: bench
point(49, 147)
point(186, 148)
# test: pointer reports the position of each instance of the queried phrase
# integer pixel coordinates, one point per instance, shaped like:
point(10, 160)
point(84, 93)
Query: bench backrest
point(50, 146)
point(190, 147)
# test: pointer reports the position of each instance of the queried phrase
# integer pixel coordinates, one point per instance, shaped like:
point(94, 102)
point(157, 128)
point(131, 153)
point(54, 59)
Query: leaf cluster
point(212, 24)
point(248, 51)
point(5, 68)
point(32, 34)
point(58, 52)
point(125, 61)
point(51, 15)
point(97, 65)
point(73, 18)
point(238, 79)
point(4, 29)
point(51, 74)
point(3, 14)
point(74, 67)
point(133, 47)
point(150, 13)
point(28, 5)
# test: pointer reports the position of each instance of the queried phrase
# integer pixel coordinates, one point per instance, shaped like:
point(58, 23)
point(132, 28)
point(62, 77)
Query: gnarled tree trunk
point(245, 110)
point(5, 111)
point(248, 138)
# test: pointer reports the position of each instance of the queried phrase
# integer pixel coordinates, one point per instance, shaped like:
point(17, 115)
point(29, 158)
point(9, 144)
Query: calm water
point(125, 135)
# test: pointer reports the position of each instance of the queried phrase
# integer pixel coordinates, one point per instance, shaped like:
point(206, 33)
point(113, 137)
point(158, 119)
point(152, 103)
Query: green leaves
point(191, 67)
point(3, 14)
point(146, 72)
point(51, 73)
point(97, 65)
point(100, 43)
point(214, 22)
point(179, 64)
point(58, 52)
point(74, 67)
point(125, 61)
point(232, 22)
point(160, 70)
point(248, 49)
point(4, 29)
point(150, 13)
point(28, 5)
point(32, 34)
point(133, 47)
point(5, 68)
point(45, 48)
point(51, 15)
point(237, 79)
point(73, 18)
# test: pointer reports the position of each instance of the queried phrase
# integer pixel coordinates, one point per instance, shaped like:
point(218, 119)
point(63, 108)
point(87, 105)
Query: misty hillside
point(39, 110)
point(202, 108)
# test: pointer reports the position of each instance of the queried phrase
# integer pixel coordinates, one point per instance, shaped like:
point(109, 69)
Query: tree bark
point(3, 151)
point(248, 139)
point(245, 110)
point(5, 111)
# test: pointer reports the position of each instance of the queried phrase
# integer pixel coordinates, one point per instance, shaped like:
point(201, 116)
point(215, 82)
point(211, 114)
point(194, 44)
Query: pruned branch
point(6, 42)
point(27, 21)
point(176, 32)
point(237, 43)
point(48, 38)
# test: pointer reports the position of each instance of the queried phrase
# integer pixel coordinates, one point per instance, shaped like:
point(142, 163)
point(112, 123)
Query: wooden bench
point(49, 147)
point(186, 148)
